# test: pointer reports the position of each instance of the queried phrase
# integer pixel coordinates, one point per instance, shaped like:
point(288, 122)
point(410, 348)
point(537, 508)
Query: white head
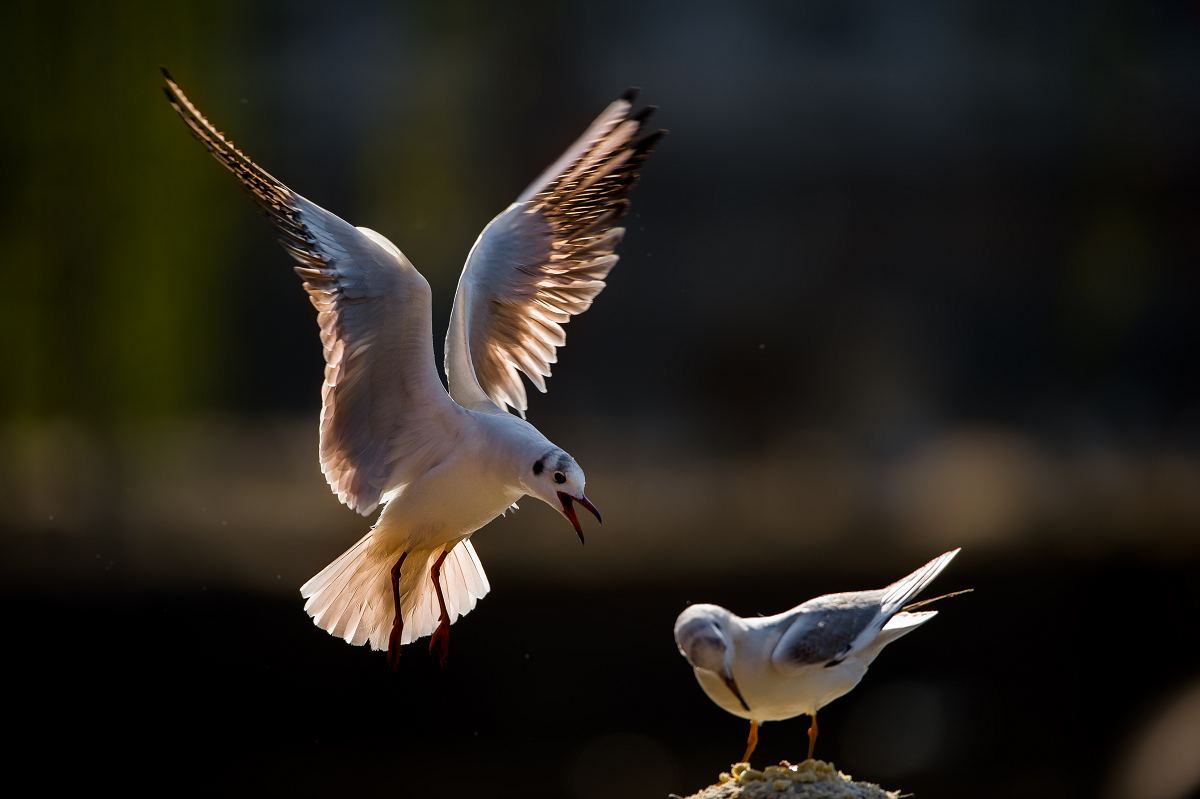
point(556, 479)
point(704, 636)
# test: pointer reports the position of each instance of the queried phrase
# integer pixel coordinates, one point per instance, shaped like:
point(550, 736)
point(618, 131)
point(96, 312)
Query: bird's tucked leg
point(812, 736)
point(751, 742)
point(397, 620)
point(440, 640)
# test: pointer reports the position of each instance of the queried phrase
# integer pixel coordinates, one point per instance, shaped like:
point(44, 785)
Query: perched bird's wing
point(383, 404)
point(826, 630)
point(542, 261)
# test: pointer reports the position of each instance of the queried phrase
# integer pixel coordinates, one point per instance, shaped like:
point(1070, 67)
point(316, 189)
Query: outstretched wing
point(383, 404)
point(542, 261)
point(827, 629)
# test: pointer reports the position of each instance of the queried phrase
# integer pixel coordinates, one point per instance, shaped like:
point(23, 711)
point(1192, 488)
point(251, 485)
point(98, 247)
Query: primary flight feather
point(443, 464)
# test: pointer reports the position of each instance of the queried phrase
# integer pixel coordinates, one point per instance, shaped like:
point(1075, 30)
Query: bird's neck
point(511, 445)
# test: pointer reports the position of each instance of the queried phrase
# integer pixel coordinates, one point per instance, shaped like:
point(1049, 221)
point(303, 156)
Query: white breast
point(774, 696)
point(453, 498)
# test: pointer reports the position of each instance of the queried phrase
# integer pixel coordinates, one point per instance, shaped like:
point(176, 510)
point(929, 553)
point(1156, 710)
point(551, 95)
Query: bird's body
point(429, 516)
point(443, 463)
point(771, 695)
point(775, 695)
point(794, 663)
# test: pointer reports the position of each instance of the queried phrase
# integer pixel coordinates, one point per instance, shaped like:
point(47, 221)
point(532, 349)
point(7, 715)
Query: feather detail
point(543, 261)
point(373, 310)
point(351, 598)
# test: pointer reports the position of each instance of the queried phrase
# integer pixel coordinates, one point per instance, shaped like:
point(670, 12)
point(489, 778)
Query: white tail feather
point(898, 626)
point(899, 592)
point(352, 597)
point(904, 622)
point(895, 597)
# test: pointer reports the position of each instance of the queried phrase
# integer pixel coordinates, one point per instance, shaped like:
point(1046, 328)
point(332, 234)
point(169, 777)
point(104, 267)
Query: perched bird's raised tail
point(898, 626)
point(897, 595)
point(899, 621)
point(826, 630)
point(352, 597)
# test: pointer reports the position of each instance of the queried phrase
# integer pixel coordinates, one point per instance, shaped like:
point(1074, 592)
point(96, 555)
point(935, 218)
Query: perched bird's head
point(704, 636)
point(556, 479)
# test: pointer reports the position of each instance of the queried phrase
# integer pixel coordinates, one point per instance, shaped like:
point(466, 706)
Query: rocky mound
point(812, 779)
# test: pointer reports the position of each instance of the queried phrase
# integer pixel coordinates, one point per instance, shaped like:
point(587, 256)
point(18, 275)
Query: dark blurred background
point(904, 277)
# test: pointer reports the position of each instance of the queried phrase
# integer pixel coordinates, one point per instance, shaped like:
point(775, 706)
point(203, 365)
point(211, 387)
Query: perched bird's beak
point(569, 511)
point(729, 681)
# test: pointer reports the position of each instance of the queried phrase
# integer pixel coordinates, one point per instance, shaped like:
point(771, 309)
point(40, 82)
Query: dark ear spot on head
point(538, 467)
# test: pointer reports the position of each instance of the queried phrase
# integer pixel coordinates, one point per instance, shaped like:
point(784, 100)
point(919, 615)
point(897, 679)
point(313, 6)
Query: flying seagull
point(442, 464)
point(778, 667)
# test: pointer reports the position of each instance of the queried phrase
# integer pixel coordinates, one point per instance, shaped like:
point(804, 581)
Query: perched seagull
point(443, 464)
point(777, 667)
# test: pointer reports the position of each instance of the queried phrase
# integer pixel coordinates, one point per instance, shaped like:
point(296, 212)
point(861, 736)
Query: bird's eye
point(559, 477)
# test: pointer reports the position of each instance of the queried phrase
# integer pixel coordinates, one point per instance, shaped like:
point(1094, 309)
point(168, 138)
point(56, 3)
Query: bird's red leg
point(441, 636)
point(397, 621)
point(812, 736)
point(751, 742)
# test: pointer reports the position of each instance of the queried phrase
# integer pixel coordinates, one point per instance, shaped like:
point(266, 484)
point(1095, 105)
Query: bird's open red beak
point(569, 511)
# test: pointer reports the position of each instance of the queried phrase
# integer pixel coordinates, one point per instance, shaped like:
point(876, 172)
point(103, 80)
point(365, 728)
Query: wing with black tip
point(542, 261)
point(383, 405)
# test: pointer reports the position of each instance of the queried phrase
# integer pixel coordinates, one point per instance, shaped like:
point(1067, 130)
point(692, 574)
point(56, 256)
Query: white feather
point(352, 597)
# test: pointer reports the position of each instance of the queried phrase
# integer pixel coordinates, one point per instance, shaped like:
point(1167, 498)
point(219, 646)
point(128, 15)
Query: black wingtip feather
point(273, 198)
point(646, 143)
point(631, 94)
point(644, 114)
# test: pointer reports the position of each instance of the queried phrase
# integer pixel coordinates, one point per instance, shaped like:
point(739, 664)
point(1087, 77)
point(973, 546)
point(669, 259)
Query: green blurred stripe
point(116, 235)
